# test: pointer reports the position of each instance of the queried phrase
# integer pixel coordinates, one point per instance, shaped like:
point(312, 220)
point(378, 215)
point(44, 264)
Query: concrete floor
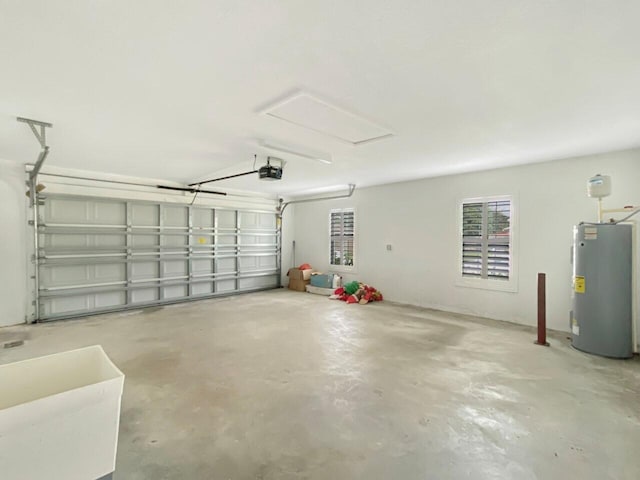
point(285, 385)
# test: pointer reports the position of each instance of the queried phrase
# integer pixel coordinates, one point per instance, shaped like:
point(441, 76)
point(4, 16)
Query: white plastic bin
point(59, 416)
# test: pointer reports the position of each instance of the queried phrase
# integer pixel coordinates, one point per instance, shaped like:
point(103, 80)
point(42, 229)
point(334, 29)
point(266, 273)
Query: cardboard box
point(297, 280)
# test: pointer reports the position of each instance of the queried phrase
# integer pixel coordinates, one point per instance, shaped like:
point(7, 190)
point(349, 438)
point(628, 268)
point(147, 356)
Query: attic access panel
point(309, 111)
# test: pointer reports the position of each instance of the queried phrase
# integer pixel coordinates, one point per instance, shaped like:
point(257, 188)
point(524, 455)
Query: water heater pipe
point(631, 210)
point(283, 205)
point(599, 209)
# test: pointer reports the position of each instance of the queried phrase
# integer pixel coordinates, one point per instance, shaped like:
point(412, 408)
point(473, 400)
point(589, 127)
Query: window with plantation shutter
point(487, 247)
point(342, 237)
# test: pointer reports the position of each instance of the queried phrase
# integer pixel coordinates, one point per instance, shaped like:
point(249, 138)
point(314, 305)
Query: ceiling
point(177, 90)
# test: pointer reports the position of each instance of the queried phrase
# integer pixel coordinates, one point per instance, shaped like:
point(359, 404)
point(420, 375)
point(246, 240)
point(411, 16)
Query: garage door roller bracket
point(41, 135)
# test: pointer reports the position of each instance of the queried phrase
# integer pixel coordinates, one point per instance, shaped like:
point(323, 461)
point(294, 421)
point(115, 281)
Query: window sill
point(486, 284)
point(342, 269)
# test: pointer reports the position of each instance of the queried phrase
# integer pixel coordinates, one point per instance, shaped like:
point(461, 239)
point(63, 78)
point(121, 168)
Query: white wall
point(419, 219)
point(13, 244)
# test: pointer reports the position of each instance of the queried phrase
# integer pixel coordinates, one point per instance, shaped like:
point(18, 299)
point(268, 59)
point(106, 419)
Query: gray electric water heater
point(601, 319)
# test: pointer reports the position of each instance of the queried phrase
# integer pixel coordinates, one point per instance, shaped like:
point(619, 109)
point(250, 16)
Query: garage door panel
point(257, 263)
point(145, 240)
point(67, 304)
point(118, 254)
point(249, 240)
point(203, 217)
point(66, 211)
point(108, 213)
point(110, 272)
point(226, 265)
point(247, 263)
point(64, 275)
point(175, 267)
point(145, 214)
point(248, 219)
point(145, 295)
point(110, 299)
point(270, 261)
point(175, 291)
point(257, 220)
point(89, 212)
point(64, 241)
point(145, 270)
point(202, 266)
point(255, 282)
point(223, 240)
point(175, 240)
point(225, 286)
point(267, 221)
point(203, 288)
point(225, 218)
point(175, 216)
point(202, 239)
point(108, 240)
point(258, 242)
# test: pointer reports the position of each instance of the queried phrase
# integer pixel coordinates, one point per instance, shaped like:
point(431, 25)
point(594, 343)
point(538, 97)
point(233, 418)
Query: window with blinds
point(342, 237)
point(486, 239)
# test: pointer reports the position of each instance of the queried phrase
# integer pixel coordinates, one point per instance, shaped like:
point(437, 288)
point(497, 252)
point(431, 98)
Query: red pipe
point(542, 311)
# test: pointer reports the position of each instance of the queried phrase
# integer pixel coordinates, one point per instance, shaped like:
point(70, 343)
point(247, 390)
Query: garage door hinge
point(31, 222)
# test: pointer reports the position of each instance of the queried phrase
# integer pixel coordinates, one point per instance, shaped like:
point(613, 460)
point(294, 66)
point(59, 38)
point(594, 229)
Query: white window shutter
point(486, 239)
point(342, 237)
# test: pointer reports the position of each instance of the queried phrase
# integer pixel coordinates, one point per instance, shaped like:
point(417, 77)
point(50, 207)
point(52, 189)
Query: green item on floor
point(352, 287)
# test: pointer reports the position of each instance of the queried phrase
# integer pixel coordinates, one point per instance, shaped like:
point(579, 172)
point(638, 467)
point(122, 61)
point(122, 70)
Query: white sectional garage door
point(99, 255)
